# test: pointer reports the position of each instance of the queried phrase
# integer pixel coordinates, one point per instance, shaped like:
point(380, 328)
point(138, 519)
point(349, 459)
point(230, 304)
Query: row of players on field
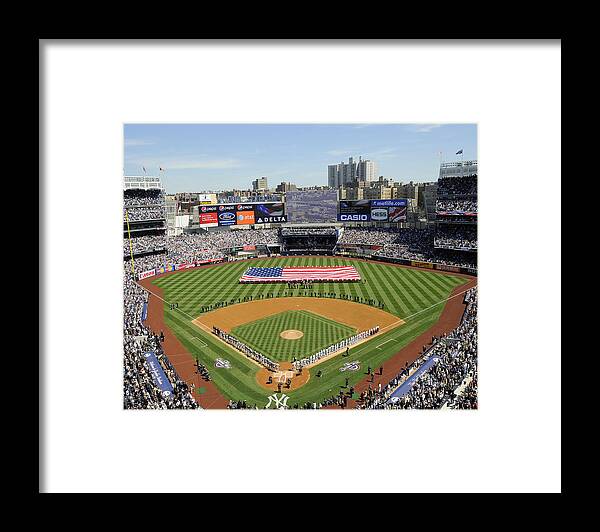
point(298, 364)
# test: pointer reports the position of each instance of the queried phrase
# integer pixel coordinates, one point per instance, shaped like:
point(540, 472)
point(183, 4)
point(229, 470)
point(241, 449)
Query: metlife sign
point(388, 203)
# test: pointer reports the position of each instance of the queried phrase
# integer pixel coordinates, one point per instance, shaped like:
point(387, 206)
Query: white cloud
point(426, 128)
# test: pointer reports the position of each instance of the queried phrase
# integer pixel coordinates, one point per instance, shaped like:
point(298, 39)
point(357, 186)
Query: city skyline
point(203, 157)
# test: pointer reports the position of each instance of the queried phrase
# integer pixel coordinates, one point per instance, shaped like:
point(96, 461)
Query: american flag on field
point(286, 275)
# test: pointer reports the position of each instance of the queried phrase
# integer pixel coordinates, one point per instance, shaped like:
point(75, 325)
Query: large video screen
point(267, 213)
point(391, 211)
point(224, 215)
point(311, 206)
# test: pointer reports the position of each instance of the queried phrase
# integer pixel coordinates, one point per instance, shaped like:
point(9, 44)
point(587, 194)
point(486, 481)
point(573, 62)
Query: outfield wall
point(415, 263)
point(391, 260)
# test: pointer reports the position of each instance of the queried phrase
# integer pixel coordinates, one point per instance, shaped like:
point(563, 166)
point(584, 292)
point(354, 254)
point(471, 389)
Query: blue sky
point(199, 157)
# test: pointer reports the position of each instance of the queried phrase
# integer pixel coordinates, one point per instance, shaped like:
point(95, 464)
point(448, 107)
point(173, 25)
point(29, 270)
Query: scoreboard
point(388, 210)
point(226, 214)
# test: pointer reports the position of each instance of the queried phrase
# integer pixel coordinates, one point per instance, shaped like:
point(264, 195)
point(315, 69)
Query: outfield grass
point(264, 334)
point(413, 295)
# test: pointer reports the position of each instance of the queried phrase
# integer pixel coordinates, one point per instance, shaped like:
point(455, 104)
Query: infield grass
point(416, 296)
point(264, 335)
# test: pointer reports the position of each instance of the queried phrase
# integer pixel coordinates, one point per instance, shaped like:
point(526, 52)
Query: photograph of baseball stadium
point(259, 273)
point(260, 269)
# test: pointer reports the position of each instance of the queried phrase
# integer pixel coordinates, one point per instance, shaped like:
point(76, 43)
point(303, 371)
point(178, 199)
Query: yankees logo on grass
point(280, 402)
point(351, 366)
point(222, 363)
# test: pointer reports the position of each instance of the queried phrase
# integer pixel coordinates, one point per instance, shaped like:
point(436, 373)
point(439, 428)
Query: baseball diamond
point(360, 294)
point(413, 298)
point(265, 335)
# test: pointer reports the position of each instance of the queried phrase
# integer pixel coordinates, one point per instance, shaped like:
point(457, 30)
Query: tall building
point(366, 170)
point(285, 187)
point(343, 173)
point(260, 184)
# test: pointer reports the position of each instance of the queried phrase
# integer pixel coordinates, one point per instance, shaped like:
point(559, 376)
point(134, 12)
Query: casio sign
point(354, 218)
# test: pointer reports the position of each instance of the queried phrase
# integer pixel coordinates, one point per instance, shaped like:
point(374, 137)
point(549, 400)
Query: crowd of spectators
point(368, 236)
point(440, 385)
point(140, 197)
point(144, 213)
point(142, 244)
point(456, 205)
point(139, 389)
point(457, 186)
point(144, 205)
point(456, 236)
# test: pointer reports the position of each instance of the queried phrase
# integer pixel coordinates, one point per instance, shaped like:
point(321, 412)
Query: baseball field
point(283, 323)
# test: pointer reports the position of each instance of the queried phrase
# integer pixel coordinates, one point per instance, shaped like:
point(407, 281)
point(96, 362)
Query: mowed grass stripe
point(387, 283)
point(383, 292)
point(416, 292)
point(264, 334)
point(400, 291)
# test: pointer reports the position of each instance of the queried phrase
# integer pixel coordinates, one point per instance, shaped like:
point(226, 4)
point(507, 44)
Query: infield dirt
point(356, 315)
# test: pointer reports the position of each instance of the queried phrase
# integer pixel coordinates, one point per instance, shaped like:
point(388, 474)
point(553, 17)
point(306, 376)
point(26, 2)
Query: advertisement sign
point(158, 375)
point(388, 203)
point(447, 268)
point(379, 214)
point(266, 213)
point(421, 264)
point(354, 211)
point(226, 215)
point(185, 266)
point(147, 273)
point(241, 214)
point(397, 214)
point(390, 210)
point(208, 215)
point(245, 217)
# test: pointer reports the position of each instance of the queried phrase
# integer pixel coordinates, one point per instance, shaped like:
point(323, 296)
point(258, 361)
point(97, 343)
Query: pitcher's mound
point(291, 334)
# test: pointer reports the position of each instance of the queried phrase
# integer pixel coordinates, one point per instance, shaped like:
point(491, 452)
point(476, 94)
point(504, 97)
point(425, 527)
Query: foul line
point(359, 349)
point(417, 313)
point(156, 295)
